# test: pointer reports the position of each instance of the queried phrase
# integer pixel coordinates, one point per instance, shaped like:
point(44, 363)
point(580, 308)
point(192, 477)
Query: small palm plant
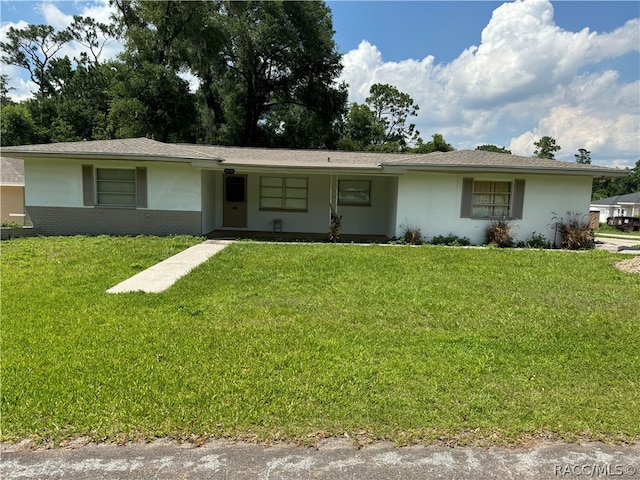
point(336, 225)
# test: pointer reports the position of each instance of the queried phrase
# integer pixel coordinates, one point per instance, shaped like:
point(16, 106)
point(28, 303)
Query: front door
point(234, 207)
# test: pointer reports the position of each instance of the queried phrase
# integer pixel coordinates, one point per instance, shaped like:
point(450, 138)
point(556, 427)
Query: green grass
point(298, 342)
point(604, 228)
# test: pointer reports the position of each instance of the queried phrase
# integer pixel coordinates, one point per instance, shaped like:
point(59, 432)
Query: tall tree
point(493, 148)
point(546, 148)
point(277, 54)
point(262, 66)
point(391, 109)
point(361, 130)
point(436, 144)
point(380, 123)
point(17, 126)
point(583, 156)
point(34, 48)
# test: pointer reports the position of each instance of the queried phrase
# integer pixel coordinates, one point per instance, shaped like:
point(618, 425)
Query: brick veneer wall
point(113, 221)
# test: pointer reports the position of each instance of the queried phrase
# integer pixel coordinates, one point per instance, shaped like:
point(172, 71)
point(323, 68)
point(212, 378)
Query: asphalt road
point(333, 459)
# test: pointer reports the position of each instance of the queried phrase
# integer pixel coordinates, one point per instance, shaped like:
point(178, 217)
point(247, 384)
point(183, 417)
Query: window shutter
point(518, 198)
point(467, 197)
point(88, 186)
point(141, 187)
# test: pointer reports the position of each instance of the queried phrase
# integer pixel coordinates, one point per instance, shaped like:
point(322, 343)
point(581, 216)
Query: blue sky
point(482, 72)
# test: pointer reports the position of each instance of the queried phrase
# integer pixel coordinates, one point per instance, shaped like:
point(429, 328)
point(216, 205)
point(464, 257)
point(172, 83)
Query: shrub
point(412, 235)
point(335, 226)
point(451, 240)
point(498, 233)
point(537, 240)
point(575, 231)
point(10, 224)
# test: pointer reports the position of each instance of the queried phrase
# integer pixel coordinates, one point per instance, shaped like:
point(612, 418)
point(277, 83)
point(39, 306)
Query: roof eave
point(256, 167)
point(511, 169)
point(100, 156)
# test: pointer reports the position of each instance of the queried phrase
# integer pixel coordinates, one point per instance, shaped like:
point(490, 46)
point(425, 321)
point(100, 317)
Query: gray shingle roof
point(460, 160)
point(615, 200)
point(464, 159)
point(127, 147)
point(11, 171)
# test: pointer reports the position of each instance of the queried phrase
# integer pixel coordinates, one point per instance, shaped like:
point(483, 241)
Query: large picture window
point(116, 187)
point(284, 193)
point(354, 192)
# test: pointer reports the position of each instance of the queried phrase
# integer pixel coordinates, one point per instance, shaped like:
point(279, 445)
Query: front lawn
point(273, 341)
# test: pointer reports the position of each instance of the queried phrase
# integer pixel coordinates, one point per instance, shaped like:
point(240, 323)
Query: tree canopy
point(583, 156)
point(381, 122)
point(493, 148)
point(266, 72)
point(546, 148)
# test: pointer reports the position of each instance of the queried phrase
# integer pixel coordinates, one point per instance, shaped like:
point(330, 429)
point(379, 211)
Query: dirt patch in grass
point(631, 265)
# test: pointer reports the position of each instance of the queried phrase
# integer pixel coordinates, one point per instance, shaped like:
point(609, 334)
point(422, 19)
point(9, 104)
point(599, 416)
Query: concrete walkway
point(164, 274)
point(334, 459)
point(617, 243)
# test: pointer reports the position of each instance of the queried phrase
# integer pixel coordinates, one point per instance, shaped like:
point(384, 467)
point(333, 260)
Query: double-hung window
point(492, 199)
point(284, 193)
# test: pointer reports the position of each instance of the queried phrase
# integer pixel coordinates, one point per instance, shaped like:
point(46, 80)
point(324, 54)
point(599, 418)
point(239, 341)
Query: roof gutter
point(596, 172)
point(100, 156)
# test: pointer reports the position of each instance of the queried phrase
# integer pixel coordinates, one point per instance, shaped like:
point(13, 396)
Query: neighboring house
point(12, 190)
point(618, 206)
point(140, 186)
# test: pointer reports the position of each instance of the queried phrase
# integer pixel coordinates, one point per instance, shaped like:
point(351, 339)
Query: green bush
point(451, 240)
point(537, 240)
point(11, 224)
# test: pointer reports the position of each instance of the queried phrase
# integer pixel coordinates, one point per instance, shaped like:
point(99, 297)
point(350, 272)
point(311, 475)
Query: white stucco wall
point(208, 182)
point(53, 187)
point(431, 202)
point(170, 186)
point(372, 219)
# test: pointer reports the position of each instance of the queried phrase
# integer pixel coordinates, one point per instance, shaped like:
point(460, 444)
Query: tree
point(4, 90)
point(149, 100)
point(608, 187)
point(360, 129)
point(546, 148)
point(583, 156)
point(380, 123)
point(93, 36)
point(34, 48)
point(493, 148)
point(437, 144)
point(391, 109)
point(262, 66)
point(17, 126)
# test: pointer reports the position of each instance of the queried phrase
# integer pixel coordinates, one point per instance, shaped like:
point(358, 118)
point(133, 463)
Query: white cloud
point(525, 79)
point(53, 16)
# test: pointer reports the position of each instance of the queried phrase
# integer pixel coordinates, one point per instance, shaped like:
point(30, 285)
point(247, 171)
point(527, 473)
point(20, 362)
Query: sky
point(482, 72)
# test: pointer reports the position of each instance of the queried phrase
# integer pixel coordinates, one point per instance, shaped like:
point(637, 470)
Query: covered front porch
point(296, 204)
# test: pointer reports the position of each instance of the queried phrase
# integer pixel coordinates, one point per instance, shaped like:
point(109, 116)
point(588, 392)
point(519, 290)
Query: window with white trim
point(284, 193)
point(116, 187)
point(354, 192)
point(491, 199)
